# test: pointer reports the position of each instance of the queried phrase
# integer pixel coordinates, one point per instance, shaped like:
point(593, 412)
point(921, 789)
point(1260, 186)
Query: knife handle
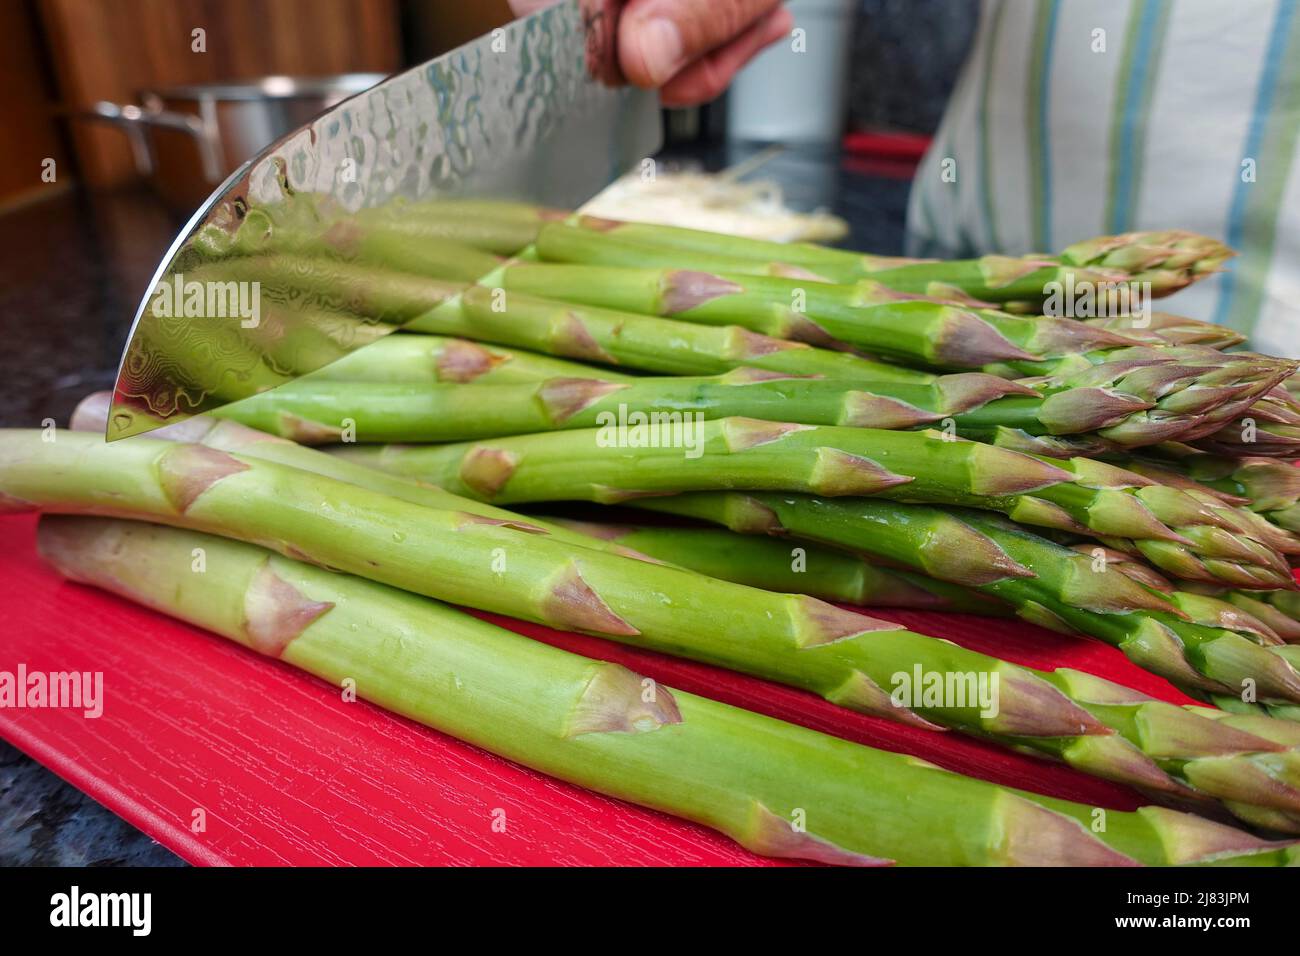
point(600, 25)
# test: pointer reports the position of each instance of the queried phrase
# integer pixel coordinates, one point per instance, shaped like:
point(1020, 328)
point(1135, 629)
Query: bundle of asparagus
point(850, 659)
point(1121, 478)
point(604, 727)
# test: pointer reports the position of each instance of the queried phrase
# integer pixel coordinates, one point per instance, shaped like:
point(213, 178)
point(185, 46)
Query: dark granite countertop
point(73, 269)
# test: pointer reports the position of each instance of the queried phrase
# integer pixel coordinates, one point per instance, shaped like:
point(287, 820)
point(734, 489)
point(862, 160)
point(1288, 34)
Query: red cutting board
point(285, 772)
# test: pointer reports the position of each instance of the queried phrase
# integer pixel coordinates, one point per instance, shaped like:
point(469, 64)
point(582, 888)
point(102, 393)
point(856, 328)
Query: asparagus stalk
point(866, 315)
point(796, 567)
point(641, 342)
point(429, 360)
point(383, 295)
point(1168, 260)
point(1078, 496)
point(969, 404)
point(457, 242)
point(582, 720)
point(92, 412)
point(1066, 590)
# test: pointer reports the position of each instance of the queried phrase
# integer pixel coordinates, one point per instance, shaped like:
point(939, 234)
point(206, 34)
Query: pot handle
point(133, 120)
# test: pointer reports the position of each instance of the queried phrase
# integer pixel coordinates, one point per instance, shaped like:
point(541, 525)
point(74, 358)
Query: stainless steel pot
point(188, 139)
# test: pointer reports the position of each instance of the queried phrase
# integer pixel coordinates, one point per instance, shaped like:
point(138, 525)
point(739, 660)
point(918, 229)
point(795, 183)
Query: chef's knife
point(532, 111)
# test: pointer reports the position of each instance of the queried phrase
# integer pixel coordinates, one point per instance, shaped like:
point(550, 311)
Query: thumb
point(658, 38)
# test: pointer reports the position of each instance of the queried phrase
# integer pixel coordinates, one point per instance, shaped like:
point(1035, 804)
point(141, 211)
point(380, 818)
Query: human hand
point(690, 49)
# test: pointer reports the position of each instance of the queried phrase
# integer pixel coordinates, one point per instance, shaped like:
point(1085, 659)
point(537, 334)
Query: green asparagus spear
point(971, 405)
point(1168, 260)
point(865, 315)
point(429, 360)
point(626, 460)
point(796, 567)
point(1066, 590)
point(601, 726)
point(456, 243)
point(449, 412)
point(641, 342)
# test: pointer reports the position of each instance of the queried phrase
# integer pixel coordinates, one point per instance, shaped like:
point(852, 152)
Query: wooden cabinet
point(112, 49)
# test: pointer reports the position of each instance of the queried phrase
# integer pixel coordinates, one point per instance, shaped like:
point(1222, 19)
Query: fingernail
point(662, 50)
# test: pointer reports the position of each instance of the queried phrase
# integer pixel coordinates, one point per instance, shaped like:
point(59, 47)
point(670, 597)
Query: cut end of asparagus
point(618, 701)
point(186, 471)
point(767, 834)
point(276, 612)
point(570, 603)
point(91, 413)
point(485, 470)
point(685, 290)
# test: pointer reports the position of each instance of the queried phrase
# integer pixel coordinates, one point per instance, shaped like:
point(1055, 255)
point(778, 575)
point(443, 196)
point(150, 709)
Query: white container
point(795, 91)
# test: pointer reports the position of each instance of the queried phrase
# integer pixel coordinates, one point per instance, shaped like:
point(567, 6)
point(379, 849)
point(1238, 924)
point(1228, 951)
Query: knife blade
point(258, 288)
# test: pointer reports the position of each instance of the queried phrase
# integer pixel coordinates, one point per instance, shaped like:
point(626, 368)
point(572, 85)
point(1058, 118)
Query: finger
point(708, 77)
point(658, 38)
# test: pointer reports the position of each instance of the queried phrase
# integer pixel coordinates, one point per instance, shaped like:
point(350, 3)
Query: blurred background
point(107, 107)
